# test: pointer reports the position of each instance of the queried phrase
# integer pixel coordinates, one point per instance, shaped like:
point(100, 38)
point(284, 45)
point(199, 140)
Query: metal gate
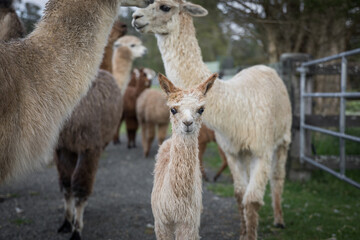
point(343, 95)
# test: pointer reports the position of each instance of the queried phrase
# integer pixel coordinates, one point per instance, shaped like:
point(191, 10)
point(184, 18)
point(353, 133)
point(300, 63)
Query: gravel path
point(119, 208)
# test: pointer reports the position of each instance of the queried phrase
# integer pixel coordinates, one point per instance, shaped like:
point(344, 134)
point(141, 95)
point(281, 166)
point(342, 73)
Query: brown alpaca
point(206, 136)
point(127, 49)
point(151, 111)
point(82, 140)
point(11, 26)
point(44, 76)
point(118, 30)
point(176, 198)
point(142, 81)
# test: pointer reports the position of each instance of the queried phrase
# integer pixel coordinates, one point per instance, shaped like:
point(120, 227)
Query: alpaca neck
point(184, 164)
point(180, 49)
point(122, 65)
point(107, 59)
point(76, 31)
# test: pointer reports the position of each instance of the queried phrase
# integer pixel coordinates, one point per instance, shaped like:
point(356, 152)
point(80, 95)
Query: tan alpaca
point(250, 113)
point(176, 199)
point(152, 112)
point(45, 75)
point(11, 26)
point(126, 50)
point(118, 30)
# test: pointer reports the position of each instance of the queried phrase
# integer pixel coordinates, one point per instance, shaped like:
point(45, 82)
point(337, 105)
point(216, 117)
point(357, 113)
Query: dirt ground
point(119, 208)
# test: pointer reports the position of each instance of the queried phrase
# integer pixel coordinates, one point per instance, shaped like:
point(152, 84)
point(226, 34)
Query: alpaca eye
point(201, 110)
point(173, 111)
point(165, 8)
point(132, 45)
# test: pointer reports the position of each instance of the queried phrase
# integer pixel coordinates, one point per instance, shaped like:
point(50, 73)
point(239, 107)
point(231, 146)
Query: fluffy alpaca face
point(186, 106)
point(162, 17)
point(132, 44)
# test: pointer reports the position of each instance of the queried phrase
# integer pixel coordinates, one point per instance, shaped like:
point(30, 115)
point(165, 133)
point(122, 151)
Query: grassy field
point(323, 208)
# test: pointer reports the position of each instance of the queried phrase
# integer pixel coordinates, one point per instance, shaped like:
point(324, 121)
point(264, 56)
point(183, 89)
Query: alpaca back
point(93, 122)
point(151, 107)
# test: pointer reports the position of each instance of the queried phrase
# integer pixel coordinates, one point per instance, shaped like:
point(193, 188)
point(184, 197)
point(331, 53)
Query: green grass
point(322, 208)
point(21, 221)
point(328, 145)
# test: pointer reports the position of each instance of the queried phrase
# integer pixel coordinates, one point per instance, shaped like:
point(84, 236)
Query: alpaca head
point(163, 16)
point(129, 47)
point(186, 106)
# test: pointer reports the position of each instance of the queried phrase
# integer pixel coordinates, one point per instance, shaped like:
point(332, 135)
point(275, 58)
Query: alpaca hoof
point(75, 236)
point(66, 227)
point(205, 178)
point(280, 225)
point(116, 141)
point(215, 178)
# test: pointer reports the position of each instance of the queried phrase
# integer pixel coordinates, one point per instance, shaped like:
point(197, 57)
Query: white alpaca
point(176, 197)
point(251, 113)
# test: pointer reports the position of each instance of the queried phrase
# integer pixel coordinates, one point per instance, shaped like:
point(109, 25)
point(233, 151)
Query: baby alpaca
point(176, 196)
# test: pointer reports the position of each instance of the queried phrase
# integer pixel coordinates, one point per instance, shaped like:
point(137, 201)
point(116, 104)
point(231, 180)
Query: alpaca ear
point(167, 86)
point(207, 85)
point(194, 10)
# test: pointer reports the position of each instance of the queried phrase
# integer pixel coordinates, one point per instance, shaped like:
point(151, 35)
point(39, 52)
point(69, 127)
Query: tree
point(317, 27)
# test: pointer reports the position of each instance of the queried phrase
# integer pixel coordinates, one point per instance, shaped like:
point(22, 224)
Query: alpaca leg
point(224, 163)
point(136, 126)
point(116, 139)
point(253, 198)
point(150, 134)
point(82, 185)
point(163, 232)
point(65, 163)
point(202, 147)
point(143, 136)
point(162, 132)
point(239, 173)
point(186, 231)
point(277, 178)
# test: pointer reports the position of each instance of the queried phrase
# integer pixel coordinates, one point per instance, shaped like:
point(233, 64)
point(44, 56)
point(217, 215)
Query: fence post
point(289, 62)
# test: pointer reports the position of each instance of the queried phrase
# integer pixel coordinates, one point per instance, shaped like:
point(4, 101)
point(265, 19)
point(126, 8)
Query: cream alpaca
point(126, 50)
point(176, 197)
point(58, 62)
point(251, 113)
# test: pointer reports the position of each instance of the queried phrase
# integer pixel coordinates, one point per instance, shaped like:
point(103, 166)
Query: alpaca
point(206, 136)
point(151, 112)
point(126, 50)
point(142, 81)
point(44, 76)
point(82, 140)
point(11, 26)
point(118, 30)
point(176, 199)
point(250, 113)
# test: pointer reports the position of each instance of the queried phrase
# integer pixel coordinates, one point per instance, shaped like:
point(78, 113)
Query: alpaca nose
point(137, 16)
point(188, 123)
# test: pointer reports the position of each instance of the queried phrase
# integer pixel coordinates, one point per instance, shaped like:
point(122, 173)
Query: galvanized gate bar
point(343, 95)
point(329, 170)
point(335, 95)
point(332, 133)
point(326, 59)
